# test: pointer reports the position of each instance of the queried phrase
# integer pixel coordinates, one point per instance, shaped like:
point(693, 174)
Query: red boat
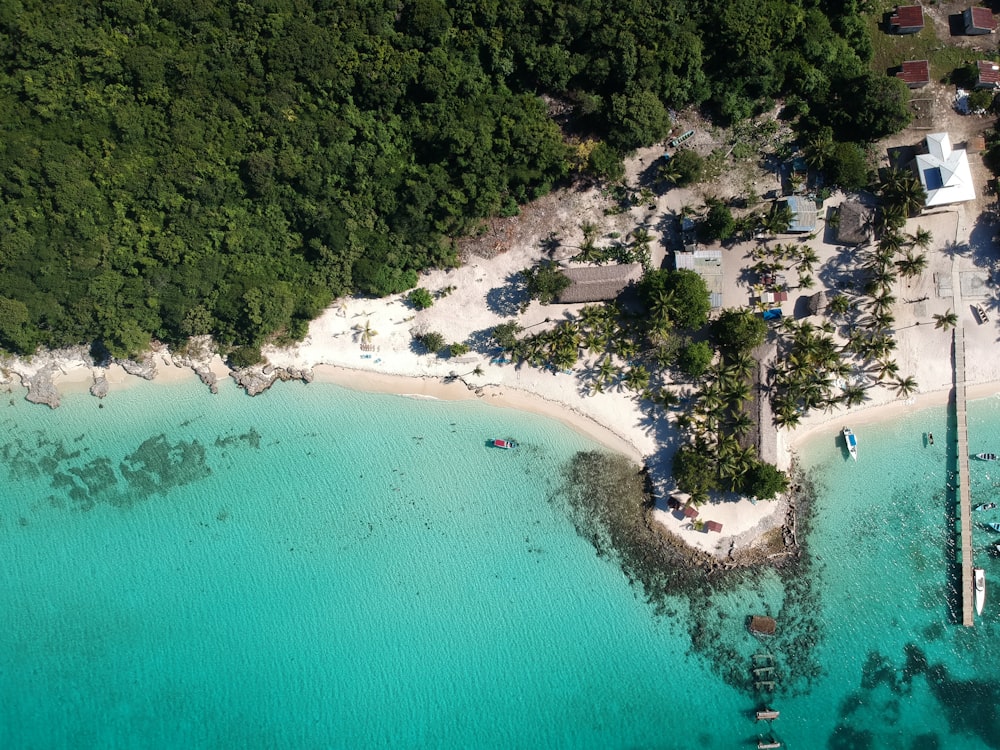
point(506, 444)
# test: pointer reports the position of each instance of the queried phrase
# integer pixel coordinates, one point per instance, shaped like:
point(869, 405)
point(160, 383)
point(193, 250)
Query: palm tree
point(367, 332)
point(900, 187)
point(853, 395)
point(905, 386)
point(922, 238)
point(741, 422)
point(839, 305)
point(946, 320)
point(883, 302)
point(637, 378)
point(912, 265)
point(887, 368)
point(606, 370)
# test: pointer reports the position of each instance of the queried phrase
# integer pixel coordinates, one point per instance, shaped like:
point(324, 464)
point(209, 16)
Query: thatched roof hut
point(817, 303)
point(598, 283)
point(855, 223)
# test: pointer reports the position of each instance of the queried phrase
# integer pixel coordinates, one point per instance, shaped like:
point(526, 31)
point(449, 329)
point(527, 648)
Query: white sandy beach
point(478, 298)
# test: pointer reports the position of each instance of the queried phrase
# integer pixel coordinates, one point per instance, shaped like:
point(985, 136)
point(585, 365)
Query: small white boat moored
point(851, 441)
point(986, 456)
point(980, 584)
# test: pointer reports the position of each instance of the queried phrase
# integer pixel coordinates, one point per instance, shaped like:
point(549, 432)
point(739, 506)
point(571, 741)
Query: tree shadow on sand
point(508, 299)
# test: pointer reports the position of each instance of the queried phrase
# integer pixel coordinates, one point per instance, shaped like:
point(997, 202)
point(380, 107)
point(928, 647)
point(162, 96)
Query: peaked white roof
point(944, 172)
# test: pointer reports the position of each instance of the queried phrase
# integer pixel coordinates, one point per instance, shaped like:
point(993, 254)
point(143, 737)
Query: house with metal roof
point(979, 21)
point(907, 19)
point(803, 213)
point(915, 73)
point(987, 75)
point(944, 172)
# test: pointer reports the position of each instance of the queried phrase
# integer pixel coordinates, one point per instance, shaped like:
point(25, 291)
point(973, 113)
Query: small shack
point(907, 19)
point(978, 21)
point(803, 214)
point(854, 223)
point(713, 526)
point(987, 75)
point(690, 511)
point(598, 283)
point(762, 625)
point(915, 73)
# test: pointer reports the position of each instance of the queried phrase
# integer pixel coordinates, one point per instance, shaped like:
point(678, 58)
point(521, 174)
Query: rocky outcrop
point(41, 389)
point(100, 386)
point(256, 380)
point(146, 369)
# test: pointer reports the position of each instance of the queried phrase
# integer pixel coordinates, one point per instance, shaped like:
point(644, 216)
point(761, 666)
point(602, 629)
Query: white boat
point(985, 506)
point(986, 456)
point(852, 442)
point(993, 527)
point(981, 312)
point(980, 578)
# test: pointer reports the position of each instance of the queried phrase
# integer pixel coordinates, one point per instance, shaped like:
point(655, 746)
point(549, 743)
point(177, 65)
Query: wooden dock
point(964, 494)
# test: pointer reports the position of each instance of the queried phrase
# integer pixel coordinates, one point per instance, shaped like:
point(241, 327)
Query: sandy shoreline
point(368, 344)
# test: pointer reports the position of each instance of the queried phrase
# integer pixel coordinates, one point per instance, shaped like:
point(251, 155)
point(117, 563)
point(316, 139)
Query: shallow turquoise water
point(322, 568)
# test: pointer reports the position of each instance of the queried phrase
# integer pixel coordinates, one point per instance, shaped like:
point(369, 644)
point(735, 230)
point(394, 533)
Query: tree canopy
point(173, 168)
point(682, 294)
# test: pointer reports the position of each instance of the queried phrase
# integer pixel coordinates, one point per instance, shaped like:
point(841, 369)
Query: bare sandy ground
point(484, 292)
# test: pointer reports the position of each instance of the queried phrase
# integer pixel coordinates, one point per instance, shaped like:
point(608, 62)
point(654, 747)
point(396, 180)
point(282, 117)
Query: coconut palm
point(637, 378)
point(945, 320)
point(887, 368)
point(882, 302)
point(607, 370)
point(839, 305)
point(367, 333)
point(741, 422)
point(853, 395)
point(905, 386)
point(900, 187)
point(912, 265)
point(922, 238)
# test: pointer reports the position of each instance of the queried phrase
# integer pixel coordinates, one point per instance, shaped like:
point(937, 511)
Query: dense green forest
point(179, 167)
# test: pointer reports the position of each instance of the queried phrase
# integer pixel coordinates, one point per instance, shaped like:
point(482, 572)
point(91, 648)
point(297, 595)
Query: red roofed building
point(915, 73)
point(908, 19)
point(988, 75)
point(979, 21)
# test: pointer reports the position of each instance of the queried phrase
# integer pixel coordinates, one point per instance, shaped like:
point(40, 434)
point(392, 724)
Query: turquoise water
point(321, 568)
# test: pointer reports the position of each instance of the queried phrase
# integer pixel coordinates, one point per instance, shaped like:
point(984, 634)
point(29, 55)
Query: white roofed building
point(944, 172)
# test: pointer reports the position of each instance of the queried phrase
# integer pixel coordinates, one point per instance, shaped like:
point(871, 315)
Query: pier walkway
point(965, 496)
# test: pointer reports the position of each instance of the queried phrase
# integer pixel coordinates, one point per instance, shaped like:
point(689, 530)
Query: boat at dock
point(993, 527)
point(851, 441)
point(504, 443)
point(980, 578)
point(986, 456)
point(984, 506)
